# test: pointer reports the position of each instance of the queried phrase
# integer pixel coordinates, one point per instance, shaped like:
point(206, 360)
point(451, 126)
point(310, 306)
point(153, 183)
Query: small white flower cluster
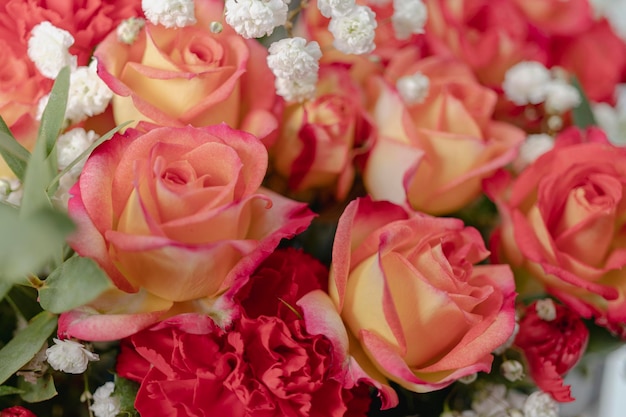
point(295, 65)
point(546, 310)
point(129, 29)
point(48, 48)
point(169, 13)
point(69, 356)
point(256, 18)
point(533, 147)
point(409, 17)
point(354, 31)
point(105, 404)
point(512, 370)
point(11, 191)
point(413, 88)
point(613, 119)
point(530, 82)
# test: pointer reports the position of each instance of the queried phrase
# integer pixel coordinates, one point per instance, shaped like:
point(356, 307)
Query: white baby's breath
point(129, 29)
point(71, 144)
point(546, 310)
point(512, 370)
point(256, 18)
point(169, 13)
point(295, 64)
point(533, 147)
point(525, 83)
point(332, 8)
point(409, 17)
point(105, 404)
point(48, 48)
point(354, 32)
point(540, 404)
point(69, 356)
point(11, 191)
point(413, 88)
point(561, 97)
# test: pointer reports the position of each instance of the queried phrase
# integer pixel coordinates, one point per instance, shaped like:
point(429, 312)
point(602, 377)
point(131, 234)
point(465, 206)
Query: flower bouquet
point(257, 208)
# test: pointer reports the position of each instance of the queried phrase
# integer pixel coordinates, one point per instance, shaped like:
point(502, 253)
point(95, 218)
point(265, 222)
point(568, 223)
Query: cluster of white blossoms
point(533, 147)
point(48, 48)
point(105, 404)
point(530, 82)
point(69, 356)
point(256, 18)
point(409, 17)
point(129, 29)
point(413, 88)
point(169, 13)
point(295, 65)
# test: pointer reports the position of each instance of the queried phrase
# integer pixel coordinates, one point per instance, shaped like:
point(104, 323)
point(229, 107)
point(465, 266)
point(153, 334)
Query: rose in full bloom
point(175, 215)
point(320, 138)
point(433, 154)
point(419, 310)
point(16, 411)
point(260, 367)
point(190, 76)
point(563, 222)
point(552, 347)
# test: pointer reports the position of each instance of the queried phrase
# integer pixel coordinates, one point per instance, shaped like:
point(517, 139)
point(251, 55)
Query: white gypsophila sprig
point(295, 64)
point(413, 88)
point(105, 404)
point(540, 404)
point(409, 17)
point(526, 82)
point(332, 8)
point(533, 147)
point(129, 29)
point(71, 144)
point(512, 370)
point(354, 32)
point(256, 18)
point(48, 48)
point(169, 13)
point(11, 191)
point(561, 96)
point(69, 356)
point(546, 309)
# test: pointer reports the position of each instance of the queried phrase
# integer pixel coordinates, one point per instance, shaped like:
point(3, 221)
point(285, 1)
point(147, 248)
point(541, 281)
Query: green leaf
point(7, 390)
point(13, 153)
point(28, 244)
point(42, 390)
point(583, 115)
point(5, 287)
point(53, 184)
point(53, 117)
point(26, 343)
point(126, 391)
point(76, 282)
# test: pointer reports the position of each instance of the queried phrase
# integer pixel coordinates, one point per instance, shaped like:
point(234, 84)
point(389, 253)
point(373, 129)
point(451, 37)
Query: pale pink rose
point(433, 155)
point(175, 216)
point(417, 309)
point(191, 76)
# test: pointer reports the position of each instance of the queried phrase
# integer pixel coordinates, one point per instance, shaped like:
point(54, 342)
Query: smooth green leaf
point(53, 184)
point(53, 117)
point(76, 282)
point(126, 391)
point(7, 390)
point(26, 343)
point(583, 115)
point(28, 244)
point(43, 390)
point(13, 153)
point(4, 288)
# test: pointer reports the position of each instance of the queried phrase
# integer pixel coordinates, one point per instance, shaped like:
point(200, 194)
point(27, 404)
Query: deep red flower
point(16, 411)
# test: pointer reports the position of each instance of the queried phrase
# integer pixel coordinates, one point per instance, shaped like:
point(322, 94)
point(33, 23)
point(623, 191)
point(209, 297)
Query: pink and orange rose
point(563, 222)
point(433, 155)
point(419, 312)
point(174, 215)
point(191, 76)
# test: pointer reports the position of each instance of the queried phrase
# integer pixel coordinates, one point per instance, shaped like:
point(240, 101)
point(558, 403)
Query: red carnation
point(16, 411)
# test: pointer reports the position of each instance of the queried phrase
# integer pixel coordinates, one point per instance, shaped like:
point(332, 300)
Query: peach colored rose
point(563, 224)
point(320, 138)
point(407, 289)
point(433, 155)
point(175, 215)
point(190, 76)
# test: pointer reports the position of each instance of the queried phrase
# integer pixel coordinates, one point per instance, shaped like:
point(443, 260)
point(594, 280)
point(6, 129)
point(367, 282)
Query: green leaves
point(14, 154)
point(76, 282)
point(126, 391)
point(583, 115)
point(26, 343)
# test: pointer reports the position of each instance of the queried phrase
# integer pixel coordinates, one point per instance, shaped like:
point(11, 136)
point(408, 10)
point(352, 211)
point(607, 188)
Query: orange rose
point(318, 138)
point(433, 155)
point(190, 76)
point(174, 215)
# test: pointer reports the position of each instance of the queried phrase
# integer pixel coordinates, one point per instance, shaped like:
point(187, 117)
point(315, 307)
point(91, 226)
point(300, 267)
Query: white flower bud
point(512, 370)
point(468, 379)
point(129, 29)
point(48, 48)
point(546, 309)
point(413, 88)
point(256, 18)
point(104, 403)
point(11, 191)
point(354, 32)
point(540, 404)
point(169, 13)
point(409, 17)
point(69, 356)
point(332, 8)
point(295, 65)
point(526, 83)
point(561, 97)
point(533, 147)
point(216, 27)
point(88, 94)
point(71, 144)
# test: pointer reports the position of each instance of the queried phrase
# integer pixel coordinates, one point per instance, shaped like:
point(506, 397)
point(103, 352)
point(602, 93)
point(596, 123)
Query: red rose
point(16, 411)
point(552, 347)
point(261, 367)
